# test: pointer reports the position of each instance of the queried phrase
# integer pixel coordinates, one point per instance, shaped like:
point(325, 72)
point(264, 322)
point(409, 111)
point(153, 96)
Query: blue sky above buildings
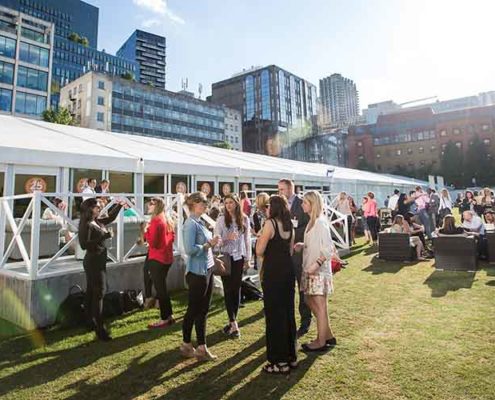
point(392, 49)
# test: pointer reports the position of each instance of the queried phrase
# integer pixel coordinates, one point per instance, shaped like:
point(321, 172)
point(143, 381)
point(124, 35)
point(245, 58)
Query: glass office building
point(148, 50)
point(144, 110)
point(26, 47)
point(72, 59)
point(277, 107)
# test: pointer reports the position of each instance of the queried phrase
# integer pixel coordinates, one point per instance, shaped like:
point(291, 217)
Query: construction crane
point(418, 100)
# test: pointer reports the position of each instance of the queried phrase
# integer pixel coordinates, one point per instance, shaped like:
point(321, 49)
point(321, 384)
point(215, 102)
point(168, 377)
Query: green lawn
point(404, 331)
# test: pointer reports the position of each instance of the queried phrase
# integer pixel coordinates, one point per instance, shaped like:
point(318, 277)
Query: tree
point(84, 41)
point(128, 76)
point(452, 165)
point(223, 145)
point(61, 116)
point(477, 164)
point(364, 165)
point(74, 37)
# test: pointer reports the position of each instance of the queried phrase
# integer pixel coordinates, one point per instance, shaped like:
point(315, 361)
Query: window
point(378, 155)
point(486, 142)
point(80, 88)
point(6, 73)
point(456, 131)
point(33, 54)
point(5, 100)
point(101, 85)
point(360, 157)
point(443, 132)
point(485, 127)
point(421, 150)
point(422, 163)
point(359, 144)
point(458, 145)
point(398, 152)
point(7, 47)
point(32, 79)
point(30, 104)
point(444, 146)
point(101, 101)
point(433, 148)
point(409, 151)
point(34, 35)
point(100, 117)
point(410, 164)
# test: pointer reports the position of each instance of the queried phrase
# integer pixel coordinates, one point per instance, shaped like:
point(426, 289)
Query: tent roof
point(34, 142)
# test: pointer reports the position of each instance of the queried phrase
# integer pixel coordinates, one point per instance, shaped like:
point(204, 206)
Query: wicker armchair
point(395, 247)
point(456, 253)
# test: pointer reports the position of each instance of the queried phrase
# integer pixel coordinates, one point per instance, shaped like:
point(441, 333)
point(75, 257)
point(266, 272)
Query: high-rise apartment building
point(277, 107)
point(26, 49)
point(339, 99)
point(106, 102)
point(149, 51)
point(75, 44)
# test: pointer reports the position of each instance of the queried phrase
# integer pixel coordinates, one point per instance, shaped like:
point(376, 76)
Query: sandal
point(276, 369)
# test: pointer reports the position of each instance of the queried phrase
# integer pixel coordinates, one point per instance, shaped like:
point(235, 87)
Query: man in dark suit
point(300, 220)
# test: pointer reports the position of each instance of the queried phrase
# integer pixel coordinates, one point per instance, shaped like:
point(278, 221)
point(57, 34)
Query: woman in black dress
point(92, 236)
point(275, 245)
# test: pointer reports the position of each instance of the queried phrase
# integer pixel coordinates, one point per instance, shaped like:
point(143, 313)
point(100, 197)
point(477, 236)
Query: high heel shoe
point(187, 350)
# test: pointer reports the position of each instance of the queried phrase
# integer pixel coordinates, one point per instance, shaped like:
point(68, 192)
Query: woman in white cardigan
point(316, 283)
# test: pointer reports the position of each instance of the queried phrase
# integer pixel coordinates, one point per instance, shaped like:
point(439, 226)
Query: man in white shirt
point(392, 202)
point(89, 189)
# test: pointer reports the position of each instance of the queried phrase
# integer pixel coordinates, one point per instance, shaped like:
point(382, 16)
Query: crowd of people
point(293, 249)
point(428, 214)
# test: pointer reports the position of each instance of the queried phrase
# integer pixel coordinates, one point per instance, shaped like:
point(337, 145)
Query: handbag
point(113, 304)
point(336, 266)
point(222, 266)
point(71, 311)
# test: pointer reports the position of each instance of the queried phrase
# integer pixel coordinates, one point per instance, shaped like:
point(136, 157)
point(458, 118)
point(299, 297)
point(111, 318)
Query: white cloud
point(159, 7)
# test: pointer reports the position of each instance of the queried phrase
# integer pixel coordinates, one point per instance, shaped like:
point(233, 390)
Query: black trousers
point(95, 270)
point(232, 288)
point(373, 227)
point(148, 283)
point(200, 289)
point(159, 274)
point(304, 311)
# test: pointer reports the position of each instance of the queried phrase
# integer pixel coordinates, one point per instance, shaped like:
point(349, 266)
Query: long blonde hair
point(316, 201)
point(160, 209)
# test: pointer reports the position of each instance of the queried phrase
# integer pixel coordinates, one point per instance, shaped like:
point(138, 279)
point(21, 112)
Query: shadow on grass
point(140, 376)
point(442, 282)
point(379, 266)
point(274, 387)
point(61, 362)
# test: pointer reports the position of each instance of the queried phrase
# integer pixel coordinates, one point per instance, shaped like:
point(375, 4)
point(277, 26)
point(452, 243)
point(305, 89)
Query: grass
point(405, 331)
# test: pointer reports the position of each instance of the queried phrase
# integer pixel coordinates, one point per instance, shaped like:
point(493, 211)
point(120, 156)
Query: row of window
point(7, 47)
point(402, 138)
point(141, 123)
point(30, 104)
point(150, 108)
point(471, 129)
point(32, 79)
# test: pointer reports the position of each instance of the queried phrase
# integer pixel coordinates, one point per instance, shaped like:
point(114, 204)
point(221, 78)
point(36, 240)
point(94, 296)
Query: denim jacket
point(195, 236)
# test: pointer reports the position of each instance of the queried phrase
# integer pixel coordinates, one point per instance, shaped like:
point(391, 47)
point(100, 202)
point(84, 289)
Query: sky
point(397, 50)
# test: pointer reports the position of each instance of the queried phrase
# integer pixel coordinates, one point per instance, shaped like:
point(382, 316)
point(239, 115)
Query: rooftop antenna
point(200, 90)
point(185, 83)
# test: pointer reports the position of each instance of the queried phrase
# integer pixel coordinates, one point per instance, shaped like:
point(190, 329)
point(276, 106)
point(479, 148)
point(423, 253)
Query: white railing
point(336, 219)
point(37, 266)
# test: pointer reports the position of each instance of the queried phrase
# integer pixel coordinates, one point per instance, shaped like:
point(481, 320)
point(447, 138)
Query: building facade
point(328, 147)
point(106, 102)
point(233, 128)
point(73, 58)
point(415, 139)
point(277, 107)
point(149, 51)
point(26, 50)
point(339, 99)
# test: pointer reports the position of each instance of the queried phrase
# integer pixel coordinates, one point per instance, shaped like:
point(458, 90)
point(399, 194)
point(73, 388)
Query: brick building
point(414, 139)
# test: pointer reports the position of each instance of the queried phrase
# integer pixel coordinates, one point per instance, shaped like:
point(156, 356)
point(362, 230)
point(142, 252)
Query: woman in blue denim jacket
point(198, 243)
